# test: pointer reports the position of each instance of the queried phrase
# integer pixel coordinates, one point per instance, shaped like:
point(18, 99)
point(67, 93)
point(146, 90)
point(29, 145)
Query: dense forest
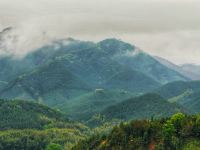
point(175, 133)
point(30, 126)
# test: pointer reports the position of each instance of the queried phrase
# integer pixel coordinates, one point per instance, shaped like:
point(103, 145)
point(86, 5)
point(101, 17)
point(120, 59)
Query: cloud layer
point(167, 28)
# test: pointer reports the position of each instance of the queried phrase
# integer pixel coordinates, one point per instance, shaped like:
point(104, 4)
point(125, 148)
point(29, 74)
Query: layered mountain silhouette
point(68, 71)
point(145, 106)
point(182, 93)
point(188, 70)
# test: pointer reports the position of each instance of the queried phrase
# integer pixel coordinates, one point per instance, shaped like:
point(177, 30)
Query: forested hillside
point(87, 105)
point(142, 107)
point(179, 132)
point(186, 94)
point(17, 114)
point(50, 84)
point(31, 126)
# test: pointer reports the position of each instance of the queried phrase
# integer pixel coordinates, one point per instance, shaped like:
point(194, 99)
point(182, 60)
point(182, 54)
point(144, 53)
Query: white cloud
point(160, 27)
point(177, 46)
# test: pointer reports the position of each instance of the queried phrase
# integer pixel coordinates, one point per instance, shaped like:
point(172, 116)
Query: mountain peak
point(114, 45)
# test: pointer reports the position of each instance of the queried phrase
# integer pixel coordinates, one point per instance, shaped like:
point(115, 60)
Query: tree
point(168, 131)
point(177, 121)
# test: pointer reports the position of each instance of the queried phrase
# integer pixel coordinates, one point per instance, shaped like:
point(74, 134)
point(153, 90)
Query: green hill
point(26, 126)
point(192, 102)
point(132, 81)
point(142, 107)
point(87, 105)
point(179, 132)
point(16, 114)
point(176, 88)
point(186, 94)
point(51, 84)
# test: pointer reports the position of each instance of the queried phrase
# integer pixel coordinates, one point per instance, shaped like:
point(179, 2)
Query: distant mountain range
point(83, 78)
point(67, 68)
point(188, 70)
point(192, 68)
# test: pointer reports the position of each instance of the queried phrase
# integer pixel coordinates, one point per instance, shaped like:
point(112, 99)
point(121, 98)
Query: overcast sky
point(167, 28)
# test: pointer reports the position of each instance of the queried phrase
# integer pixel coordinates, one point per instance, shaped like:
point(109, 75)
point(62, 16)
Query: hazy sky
point(167, 28)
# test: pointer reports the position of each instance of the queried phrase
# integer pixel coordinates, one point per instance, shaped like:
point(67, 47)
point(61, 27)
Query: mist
point(166, 28)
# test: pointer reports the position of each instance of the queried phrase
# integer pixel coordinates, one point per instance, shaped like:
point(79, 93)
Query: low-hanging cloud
point(167, 28)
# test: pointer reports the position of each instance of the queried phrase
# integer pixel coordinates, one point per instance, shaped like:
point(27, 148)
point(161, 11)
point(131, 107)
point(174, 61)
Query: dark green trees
point(173, 133)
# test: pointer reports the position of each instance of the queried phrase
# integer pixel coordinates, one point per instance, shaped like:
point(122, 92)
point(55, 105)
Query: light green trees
point(171, 128)
point(177, 120)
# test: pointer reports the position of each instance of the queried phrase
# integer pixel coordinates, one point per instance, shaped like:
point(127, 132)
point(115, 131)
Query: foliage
point(87, 105)
point(142, 107)
point(186, 94)
point(30, 139)
point(175, 133)
point(18, 114)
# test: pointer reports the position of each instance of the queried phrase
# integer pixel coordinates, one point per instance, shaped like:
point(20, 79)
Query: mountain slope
point(88, 52)
point(51, 84)
point(181, 69)
point(176, 88)
point(186, 94)
point(22, 114)
point(131, 80)
point(131, 56)
point(192, 102)
point(177, 132)
point(142, 107)
point(87, 105)
point(32, 126)
point(192, 69)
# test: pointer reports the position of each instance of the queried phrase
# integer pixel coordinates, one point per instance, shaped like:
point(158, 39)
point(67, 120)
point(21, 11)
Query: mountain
point(177, 132)
point(193, 69)
point(105, 53)
point(186, 94)
point(16, 114)
point(68, 68)
point(50, 84)
point(87, 105)
point(185, 70)
point(132, 81)
point(176, 88)
point(142, 107)
point(143, 62)
point(85, 60)
point(93, 65)
point(191, 102)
